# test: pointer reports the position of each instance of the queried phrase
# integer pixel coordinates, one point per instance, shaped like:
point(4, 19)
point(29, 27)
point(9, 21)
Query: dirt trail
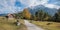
point(31, 26)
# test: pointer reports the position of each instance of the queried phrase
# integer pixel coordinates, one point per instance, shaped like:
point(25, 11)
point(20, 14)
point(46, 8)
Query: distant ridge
point(3, 14)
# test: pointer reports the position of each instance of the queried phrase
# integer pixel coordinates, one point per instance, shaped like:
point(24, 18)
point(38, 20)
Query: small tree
point(18, 15)
point(26, 14)
point(33, 17)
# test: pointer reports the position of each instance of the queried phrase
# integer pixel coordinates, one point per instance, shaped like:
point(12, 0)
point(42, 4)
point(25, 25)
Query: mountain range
point(34, 9)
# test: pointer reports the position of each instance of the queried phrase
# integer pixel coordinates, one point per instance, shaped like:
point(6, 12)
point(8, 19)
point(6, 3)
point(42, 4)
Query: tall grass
point(6, 24)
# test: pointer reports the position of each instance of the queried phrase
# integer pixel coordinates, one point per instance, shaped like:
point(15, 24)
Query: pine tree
point(57, 16)
point(41, 15)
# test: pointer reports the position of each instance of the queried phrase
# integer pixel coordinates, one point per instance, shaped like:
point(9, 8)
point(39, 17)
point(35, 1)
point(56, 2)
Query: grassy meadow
point(46, 26)
point(9, 24)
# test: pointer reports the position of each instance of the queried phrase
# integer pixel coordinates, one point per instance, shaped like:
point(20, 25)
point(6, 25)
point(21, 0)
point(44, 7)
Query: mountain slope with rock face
point(34, 9)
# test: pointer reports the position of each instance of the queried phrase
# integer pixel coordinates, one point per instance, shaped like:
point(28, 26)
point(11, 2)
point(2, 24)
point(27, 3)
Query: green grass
point(52, 26)
point(9, 24)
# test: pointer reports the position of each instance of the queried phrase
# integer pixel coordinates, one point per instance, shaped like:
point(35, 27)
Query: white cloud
point(33, 2)
point(30, 3)
point(52, 6)
point(8, 6)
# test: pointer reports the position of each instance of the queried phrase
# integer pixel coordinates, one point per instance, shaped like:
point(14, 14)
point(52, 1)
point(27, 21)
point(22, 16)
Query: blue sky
point(12, 6)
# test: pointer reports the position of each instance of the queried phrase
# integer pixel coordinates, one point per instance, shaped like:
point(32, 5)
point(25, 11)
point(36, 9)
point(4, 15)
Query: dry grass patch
point(51, 26)
point(9, 24)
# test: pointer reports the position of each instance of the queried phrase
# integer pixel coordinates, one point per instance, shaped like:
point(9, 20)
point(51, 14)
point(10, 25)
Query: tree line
point(40, 15)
